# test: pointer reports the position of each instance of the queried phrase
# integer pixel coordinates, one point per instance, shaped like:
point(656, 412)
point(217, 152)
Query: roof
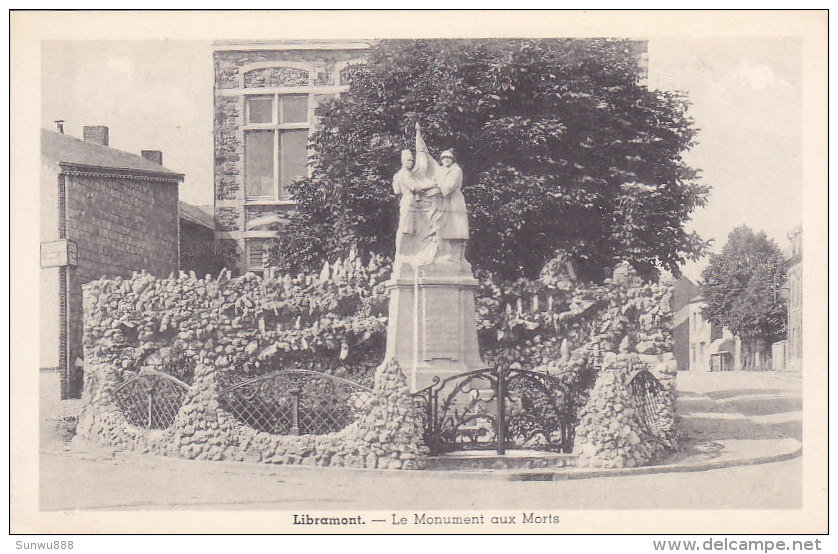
point(684, 292)
point(196, 215)
point(84, 155)
point(723, 346)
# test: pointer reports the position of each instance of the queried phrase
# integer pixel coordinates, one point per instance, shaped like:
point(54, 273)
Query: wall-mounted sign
point(59, 253)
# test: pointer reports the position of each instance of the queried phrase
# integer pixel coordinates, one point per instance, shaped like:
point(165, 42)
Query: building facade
point(701, 336)
point(197, 241)
point(103, 213)
point(711, 347)
point(683, 291)
point(794, 342)
point(265, 98)
point(697, 344)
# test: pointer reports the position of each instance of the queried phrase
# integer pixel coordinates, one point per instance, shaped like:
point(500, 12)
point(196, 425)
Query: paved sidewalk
point(741, 406)
point(135, 482)
point(751, 416)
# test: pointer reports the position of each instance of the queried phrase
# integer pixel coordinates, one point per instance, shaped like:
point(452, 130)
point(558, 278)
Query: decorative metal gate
point(496, 408)
point(151, 399)
point(293, 402)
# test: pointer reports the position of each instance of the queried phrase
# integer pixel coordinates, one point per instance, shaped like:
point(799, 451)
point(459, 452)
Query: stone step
point(490, 459)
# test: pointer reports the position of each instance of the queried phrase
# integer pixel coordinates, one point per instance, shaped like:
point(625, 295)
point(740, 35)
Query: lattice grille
point(151, 399)
point(296, 402)
point(646, 388)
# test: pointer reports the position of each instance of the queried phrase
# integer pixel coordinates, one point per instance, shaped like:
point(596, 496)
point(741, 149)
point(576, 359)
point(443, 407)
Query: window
point(259, 152)
point(294, 108)
point(293, 157)
point(260, 109)
point(275, 142)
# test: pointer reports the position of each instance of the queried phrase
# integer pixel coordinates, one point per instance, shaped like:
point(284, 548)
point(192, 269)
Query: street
point(121, 484)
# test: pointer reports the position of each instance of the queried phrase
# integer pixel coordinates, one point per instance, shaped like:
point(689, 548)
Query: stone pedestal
point(431, 330)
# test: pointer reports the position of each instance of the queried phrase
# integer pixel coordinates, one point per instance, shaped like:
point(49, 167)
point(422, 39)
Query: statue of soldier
point(433, 223)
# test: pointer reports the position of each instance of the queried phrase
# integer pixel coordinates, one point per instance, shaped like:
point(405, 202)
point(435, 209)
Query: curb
point(481, 474)
point(648, 470)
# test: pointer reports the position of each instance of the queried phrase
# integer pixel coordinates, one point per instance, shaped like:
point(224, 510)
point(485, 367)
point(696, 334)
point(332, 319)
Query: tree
point(564, 153)
point(742, 291)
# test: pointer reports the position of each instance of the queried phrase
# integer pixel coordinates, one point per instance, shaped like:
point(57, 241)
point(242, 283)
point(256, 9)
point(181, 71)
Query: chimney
point(60, 124)
point(155, 156)
point(96, 133)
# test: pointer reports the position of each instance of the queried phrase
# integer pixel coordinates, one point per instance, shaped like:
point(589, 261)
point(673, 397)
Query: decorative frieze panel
point(266, 218)
point(276, 77)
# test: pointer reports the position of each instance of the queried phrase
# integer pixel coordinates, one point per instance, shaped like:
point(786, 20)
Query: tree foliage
point(742, 291)
point(563, 151)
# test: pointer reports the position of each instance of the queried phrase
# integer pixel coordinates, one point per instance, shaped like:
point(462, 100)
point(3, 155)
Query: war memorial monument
point(431, 330)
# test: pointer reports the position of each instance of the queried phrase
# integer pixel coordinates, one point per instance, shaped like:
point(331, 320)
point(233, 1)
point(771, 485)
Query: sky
point(746, 99)
point(152, 95)
point(745, 92)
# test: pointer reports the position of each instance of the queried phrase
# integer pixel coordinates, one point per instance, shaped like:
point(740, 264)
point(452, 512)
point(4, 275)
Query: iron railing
point(496, 408)
point(293, 402)
point(151, 399)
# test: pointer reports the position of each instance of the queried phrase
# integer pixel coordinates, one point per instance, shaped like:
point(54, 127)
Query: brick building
point(197, 240)
point(103, 213)
point(265, 96)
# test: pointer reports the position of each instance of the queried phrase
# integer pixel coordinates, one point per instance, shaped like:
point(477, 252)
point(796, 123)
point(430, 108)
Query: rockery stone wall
point(610, 346)
point(624, 424)
point(210, 333)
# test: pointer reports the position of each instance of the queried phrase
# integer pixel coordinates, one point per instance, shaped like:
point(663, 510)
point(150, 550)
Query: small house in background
point(104, 212)
point(725, 352)
point(683, 291)
point(699, 345)
point(197, 240)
